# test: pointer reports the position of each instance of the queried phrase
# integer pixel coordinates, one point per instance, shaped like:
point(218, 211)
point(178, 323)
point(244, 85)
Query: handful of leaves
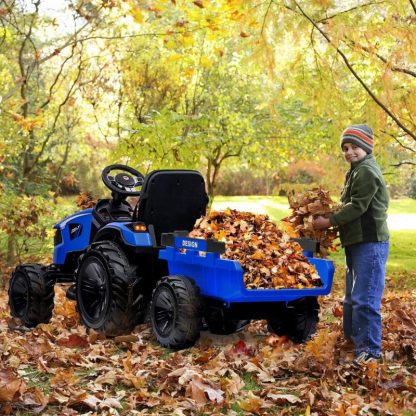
point(269, 258)
point(305, 207)
point(85, 200)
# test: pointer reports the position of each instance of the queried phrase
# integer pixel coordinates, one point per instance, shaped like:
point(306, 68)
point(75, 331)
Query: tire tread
point(126, 310)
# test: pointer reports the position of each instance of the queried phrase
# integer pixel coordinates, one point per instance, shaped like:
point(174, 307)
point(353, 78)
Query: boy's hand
point(321, 223)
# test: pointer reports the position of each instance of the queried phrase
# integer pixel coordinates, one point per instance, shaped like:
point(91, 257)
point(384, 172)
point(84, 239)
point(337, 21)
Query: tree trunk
point(11, 250)
point(212, 173)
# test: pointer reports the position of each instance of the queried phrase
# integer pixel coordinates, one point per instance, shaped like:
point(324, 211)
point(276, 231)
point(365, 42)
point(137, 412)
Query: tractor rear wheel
point(109, 294)
point(31, 294)
point(175, 312)
point(297, 320)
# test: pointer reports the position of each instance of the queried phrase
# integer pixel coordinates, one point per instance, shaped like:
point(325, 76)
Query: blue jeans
point(364, 285)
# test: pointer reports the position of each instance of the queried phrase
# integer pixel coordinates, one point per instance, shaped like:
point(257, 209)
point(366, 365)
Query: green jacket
point(365, 200)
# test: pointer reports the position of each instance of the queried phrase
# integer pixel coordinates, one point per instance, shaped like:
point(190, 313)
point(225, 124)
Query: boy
point(365, 237)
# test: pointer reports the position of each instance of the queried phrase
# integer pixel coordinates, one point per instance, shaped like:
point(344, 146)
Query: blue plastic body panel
point(131, 238)
point(79, 241)
point(222, 279)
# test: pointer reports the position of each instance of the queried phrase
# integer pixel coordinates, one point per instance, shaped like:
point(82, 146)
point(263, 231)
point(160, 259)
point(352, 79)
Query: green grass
point(36, 378)
point(250, 382)
point(402, 206)
point(403, 250)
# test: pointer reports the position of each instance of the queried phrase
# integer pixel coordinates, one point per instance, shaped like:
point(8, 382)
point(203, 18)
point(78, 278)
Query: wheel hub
point(94, 289)
point(19, 295)
point(165, 311)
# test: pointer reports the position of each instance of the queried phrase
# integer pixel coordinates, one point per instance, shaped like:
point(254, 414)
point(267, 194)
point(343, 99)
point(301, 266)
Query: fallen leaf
point(73, 341)
point(10, 385)
point(284, 398)
point(109, 378)
point(199, 390)
point(252, 403)
point(126, 338)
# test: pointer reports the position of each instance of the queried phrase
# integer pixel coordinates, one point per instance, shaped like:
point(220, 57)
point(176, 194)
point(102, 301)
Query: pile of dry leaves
point(268, 257)
point(305, 206)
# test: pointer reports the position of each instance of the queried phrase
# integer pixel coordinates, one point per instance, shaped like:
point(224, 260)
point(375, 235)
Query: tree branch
point(371, 3)
point(354, 73)
point(25, 74)
point(413, 5)
point(394, 68)
point(398, 141)
point(57, 115)
point(404, 162)
point(265, 16)
point(58, 75)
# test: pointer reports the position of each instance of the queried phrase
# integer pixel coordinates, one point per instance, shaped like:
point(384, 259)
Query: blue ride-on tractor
point(128, 262)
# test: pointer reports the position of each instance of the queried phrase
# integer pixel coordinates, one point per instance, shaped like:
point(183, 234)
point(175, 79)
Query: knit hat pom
point(359, 134)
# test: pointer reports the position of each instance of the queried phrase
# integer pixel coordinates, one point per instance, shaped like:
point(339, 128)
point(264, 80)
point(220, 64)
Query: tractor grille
point(58, 237)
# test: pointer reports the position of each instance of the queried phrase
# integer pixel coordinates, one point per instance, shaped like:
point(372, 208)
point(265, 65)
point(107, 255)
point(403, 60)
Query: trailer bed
point(222, 279)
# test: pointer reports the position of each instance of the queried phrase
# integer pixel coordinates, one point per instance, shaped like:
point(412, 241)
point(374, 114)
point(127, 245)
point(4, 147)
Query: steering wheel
point(125, 182)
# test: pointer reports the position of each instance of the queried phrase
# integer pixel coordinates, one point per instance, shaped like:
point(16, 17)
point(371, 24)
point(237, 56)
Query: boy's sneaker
point(366, 358)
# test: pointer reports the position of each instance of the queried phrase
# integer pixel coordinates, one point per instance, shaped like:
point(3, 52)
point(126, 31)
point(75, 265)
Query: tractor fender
point(121, 232)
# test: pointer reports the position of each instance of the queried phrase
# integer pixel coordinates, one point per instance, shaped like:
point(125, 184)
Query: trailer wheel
point(175, 312)
point(31, 294)
point(304, 319)
point(109, 294)
point(297, 320)
point(279, 323)
point(219, 325)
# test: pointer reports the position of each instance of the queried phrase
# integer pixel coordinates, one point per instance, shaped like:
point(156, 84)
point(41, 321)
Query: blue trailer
point(126, 263)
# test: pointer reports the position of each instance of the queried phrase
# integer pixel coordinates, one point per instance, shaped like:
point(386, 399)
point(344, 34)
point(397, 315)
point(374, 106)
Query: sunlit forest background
point(254, 94)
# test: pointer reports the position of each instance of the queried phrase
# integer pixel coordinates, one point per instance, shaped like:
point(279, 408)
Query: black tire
point(175, 312)
point(31, 294)
point(219, 325)
point(109, 293)
point(297, 320)
point(278, 326)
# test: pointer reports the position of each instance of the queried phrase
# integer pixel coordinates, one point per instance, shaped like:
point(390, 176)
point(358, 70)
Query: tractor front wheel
point(31, 294)
point(109, 294)
point(175, 312)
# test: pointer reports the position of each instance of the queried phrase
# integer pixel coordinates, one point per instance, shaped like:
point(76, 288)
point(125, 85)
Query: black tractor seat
point(171, 200)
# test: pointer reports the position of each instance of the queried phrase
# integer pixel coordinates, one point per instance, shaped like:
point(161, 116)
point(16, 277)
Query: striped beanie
point(359, 134)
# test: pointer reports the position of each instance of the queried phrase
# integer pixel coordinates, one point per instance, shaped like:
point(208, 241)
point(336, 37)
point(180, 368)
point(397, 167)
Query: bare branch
point(394, 68)
point(265, 16)
point(3, 39)
point(398, 141)
point(74, 41)
point(404, 162)
point(58, 75)
point(413, 5)
point(25, 74)
point(354, 73)
point(360, 6)
point(57, 115)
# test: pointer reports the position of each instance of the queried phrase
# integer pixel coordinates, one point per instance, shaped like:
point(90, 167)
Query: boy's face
point(353, 153)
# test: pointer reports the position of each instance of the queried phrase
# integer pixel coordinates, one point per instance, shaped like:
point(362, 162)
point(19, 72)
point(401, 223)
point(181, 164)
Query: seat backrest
point(171, 200)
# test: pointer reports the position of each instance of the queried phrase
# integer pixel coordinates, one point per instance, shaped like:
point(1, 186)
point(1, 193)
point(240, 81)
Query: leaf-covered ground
point(58, 369)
